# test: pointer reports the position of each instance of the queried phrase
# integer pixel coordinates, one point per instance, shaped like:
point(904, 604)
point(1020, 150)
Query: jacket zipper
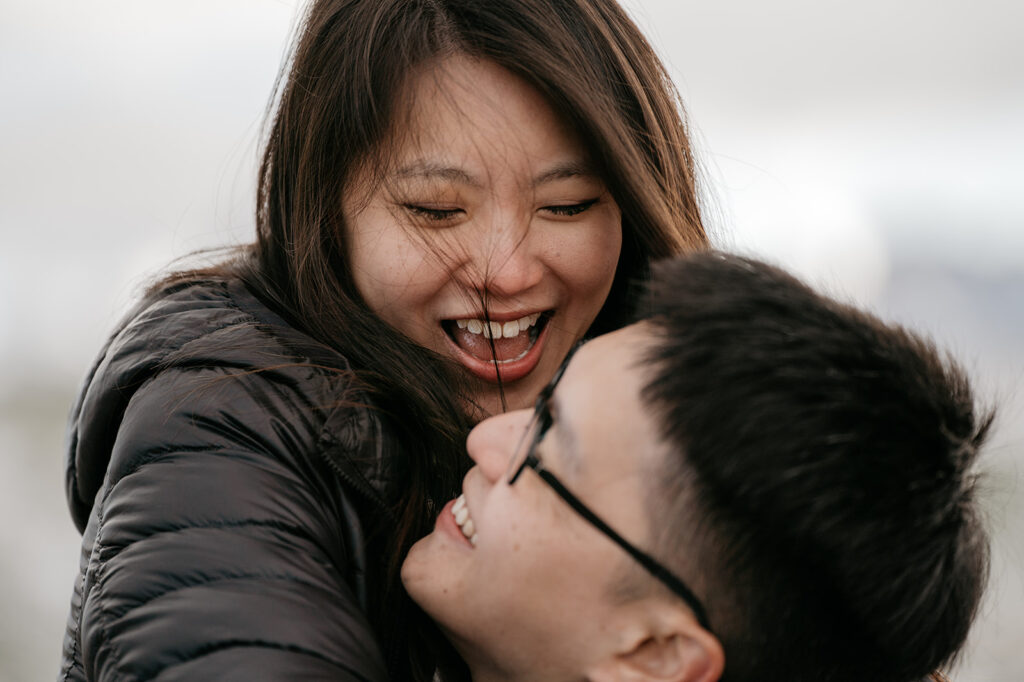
point(364, 489)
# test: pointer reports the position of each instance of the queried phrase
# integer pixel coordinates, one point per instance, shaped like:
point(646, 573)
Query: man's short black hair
point(828, 457)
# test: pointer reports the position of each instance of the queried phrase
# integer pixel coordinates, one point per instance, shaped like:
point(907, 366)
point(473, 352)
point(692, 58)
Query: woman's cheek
point(389, 261)
point(598, 255)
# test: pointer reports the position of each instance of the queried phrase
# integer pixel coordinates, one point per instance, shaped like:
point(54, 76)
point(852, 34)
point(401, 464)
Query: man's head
point(523, 586)
point(801, 468)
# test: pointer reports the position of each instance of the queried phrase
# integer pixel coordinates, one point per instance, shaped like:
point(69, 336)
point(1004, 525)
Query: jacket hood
point(210, 323)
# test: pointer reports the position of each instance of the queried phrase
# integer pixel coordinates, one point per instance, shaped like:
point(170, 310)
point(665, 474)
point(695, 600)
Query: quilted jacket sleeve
point(216, 553)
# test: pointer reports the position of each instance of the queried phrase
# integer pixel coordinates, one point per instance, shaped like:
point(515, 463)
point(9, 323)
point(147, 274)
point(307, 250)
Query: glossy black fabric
point(226, 479)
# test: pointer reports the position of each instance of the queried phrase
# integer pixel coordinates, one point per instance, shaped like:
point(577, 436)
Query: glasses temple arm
point(652, 566)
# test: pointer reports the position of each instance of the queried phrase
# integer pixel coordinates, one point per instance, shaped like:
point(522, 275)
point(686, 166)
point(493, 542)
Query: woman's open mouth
point(489, 347)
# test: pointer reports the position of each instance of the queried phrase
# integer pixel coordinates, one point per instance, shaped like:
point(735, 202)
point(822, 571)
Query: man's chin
point(415, 574)
point(427, 575)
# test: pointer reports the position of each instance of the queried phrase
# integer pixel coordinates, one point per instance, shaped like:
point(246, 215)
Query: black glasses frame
point(542, 421)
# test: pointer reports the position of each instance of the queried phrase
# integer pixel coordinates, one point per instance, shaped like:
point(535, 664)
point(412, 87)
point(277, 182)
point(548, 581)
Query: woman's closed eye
point(570, 210)
point(431, 213)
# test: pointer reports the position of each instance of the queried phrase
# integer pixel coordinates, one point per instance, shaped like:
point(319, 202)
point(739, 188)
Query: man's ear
point(686, 652)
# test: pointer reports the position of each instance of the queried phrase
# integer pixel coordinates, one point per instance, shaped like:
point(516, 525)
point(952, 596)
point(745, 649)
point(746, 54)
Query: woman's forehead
point(462, 104)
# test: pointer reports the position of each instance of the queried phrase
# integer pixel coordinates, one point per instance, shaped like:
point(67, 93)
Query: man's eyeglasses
point(527, 458)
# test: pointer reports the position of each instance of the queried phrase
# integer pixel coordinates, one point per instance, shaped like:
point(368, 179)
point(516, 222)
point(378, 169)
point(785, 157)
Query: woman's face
point(489, 209)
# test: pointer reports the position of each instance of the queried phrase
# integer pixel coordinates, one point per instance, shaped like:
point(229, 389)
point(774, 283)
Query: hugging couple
point(268, 460)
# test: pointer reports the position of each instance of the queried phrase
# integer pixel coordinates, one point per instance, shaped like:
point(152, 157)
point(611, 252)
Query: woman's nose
point(495, 440)
point(515, 270)
point(507, 261)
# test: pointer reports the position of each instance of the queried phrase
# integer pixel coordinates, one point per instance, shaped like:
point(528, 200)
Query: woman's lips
point(517, 356)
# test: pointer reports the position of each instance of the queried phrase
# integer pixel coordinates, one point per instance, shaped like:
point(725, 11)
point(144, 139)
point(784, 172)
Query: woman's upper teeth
point(498, 330)
point(461, 514)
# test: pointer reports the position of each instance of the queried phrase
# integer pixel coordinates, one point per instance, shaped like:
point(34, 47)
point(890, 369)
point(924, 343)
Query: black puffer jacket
point(228, 486)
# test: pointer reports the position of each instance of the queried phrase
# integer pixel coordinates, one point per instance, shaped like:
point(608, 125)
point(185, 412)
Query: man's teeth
point(465, 524)
point(498, 330)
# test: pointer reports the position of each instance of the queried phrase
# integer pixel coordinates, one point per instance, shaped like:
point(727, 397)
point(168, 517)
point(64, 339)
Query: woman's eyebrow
point(569, 169)
point(568, 444)
point(429, 170)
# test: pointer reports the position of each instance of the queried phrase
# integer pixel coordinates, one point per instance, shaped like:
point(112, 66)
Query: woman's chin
point(487, 401)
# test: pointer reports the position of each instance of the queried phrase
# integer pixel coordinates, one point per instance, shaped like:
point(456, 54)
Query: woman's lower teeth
point(518, 357)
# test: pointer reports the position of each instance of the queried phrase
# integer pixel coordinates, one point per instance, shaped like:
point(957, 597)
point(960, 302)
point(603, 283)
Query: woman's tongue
point(480, 347)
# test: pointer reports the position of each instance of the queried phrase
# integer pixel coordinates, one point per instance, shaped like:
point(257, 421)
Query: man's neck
point(481, 673)
point(485, 671)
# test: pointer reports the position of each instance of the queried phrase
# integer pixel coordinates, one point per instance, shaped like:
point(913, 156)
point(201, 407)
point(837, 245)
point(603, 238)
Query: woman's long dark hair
point(339, 99)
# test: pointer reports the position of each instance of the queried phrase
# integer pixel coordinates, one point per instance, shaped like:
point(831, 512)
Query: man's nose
point(495, 440)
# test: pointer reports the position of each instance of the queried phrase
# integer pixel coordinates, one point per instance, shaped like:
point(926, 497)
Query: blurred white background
point(875, 147)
